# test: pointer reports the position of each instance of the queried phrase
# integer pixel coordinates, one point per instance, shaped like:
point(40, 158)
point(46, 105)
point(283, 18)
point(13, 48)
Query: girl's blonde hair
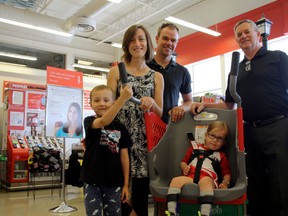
point(220, 125)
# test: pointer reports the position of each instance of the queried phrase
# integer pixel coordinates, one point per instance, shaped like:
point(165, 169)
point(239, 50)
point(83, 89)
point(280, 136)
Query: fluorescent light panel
point(82, 62)
point(18, 56)
point(91, 67)
point(29, 26)
point(118, 45)
point(13, 64)
point(193, 26)
point(115, 1)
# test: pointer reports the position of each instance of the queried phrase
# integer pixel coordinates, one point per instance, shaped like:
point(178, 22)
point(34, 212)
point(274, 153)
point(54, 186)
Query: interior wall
point(200, 46)
point(35, 76)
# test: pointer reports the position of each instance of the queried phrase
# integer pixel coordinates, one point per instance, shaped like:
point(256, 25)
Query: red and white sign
point(62, 77)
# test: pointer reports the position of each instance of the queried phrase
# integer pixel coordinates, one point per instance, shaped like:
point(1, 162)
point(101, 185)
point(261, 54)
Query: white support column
point(69, 61)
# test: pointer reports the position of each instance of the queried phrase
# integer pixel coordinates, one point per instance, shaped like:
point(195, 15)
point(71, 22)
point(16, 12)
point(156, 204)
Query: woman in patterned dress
point(147, 86)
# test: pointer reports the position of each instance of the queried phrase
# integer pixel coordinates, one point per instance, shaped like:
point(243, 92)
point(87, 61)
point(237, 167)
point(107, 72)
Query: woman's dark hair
point(129, 34)
point(79, 119)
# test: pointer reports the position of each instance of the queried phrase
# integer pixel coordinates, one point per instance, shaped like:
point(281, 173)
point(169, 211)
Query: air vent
point(81, 24)
point(84, 27)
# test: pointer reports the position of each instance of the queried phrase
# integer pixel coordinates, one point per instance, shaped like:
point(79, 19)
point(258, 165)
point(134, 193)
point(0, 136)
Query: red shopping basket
point(155, 128)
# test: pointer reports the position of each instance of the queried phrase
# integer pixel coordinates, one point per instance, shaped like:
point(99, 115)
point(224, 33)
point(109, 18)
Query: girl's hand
point(186, 170)
point(223, 186)
point(147, 103)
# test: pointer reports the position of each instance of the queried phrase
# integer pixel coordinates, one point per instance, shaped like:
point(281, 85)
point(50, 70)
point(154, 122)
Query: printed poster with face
point(64, 109)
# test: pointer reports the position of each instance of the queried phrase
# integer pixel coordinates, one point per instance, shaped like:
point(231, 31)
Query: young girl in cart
point(200, 165)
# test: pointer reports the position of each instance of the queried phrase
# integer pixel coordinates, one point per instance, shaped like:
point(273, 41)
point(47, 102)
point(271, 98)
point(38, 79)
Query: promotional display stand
point(63, 207)
point(17, 166)
point(63, 84)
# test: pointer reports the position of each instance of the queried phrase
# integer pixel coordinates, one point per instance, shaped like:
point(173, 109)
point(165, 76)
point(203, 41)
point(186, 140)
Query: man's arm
point(187, 101)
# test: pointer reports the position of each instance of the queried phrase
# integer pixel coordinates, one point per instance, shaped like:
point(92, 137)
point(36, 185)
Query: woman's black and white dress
point(132, 116)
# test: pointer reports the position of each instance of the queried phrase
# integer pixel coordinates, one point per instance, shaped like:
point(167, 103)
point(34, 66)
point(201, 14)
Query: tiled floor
point(17, 203)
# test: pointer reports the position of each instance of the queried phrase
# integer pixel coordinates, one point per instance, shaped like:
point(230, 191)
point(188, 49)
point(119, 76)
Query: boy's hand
point(125, 194)
point(126, 92)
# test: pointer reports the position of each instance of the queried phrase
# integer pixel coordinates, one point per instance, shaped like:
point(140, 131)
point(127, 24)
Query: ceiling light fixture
point(82, 62)
point(115, 1)
point(18, 56)
point(118, 45)
point(13, 64)
point(42, 29)
point(89, 67)
point(193, 26)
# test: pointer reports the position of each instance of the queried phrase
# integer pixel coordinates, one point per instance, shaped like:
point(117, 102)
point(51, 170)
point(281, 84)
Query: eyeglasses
point(247, 66)
point(218, 139)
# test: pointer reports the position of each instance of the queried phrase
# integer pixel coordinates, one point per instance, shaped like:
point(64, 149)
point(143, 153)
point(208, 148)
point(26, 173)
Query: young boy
point(215, 138)
point(106, 158)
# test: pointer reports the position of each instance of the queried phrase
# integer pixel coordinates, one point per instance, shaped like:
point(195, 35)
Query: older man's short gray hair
point(252, 24)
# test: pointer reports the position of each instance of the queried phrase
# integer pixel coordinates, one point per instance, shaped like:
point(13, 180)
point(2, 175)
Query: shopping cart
point(164, 156)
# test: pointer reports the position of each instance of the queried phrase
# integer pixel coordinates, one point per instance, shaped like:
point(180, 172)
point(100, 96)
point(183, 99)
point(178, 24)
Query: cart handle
point(233, 78)
point(124, 80)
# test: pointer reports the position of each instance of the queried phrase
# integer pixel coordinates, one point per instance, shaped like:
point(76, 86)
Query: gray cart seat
point(164, 159)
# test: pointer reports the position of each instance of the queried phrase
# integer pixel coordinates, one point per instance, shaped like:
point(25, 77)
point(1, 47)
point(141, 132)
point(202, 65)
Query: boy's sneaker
point(169, 213)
